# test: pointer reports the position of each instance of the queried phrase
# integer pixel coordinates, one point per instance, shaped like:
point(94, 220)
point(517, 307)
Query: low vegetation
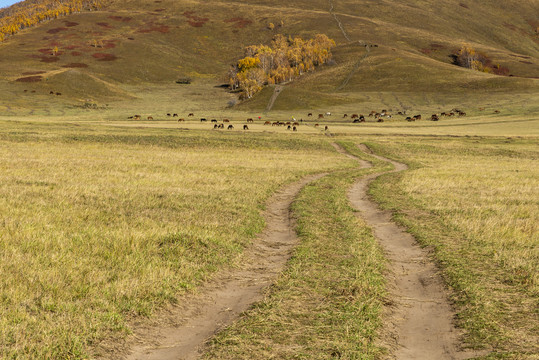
point(470, 58)
point(473, 201)
point(328, 303)
point(102, 225)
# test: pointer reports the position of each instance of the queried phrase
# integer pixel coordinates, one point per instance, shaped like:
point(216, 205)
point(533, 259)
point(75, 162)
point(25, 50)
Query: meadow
point(101, 225)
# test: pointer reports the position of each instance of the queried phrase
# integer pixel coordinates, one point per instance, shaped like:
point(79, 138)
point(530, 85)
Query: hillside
point(137, 49)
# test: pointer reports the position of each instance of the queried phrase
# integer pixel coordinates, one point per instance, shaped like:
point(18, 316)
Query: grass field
point(474, 201)
point(100, 225)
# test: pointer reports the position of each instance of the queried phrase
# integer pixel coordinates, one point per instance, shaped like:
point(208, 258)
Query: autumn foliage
point(32, 12)
point(469, 58)
point(283, 60)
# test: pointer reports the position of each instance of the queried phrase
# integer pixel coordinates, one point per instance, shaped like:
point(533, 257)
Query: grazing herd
point(294, 125)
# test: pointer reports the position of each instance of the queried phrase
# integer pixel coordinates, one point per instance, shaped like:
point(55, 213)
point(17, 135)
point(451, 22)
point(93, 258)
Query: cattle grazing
point(150, 118)
point(136, 117)
point(250, 120)
point(174, 115)
point(380, 120)
point(190, 115)
point(25, 90)
point(461, 113)
point(294, 129)
point(245, 127)
point(400, 113)
point(443, 114)
point(203, 120)
point(267, 123)
point(230, 127)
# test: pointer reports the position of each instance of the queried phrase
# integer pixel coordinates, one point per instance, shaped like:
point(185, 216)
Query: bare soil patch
point(56, 30)
point(33, 72)
point(104, 57)
point(240, 22)
point(222, 300)
point(76, 53)
point(35, 78)
point(194, 20)
point(105, 25)
point(70, 23)
point(76, 65)
point(49, 59)
point(120, 18)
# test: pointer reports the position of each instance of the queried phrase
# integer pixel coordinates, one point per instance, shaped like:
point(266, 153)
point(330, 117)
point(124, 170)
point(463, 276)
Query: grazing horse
point(362, 118)
point(355, 116)
point(230, 127)
point(320, 116)
point(58, 94)
point(355, 121)
point(410, 119)
point(380, 120)
point(315, 125)
point(289, 127)
point(245, 127)
point(345, 116)
point(250, 120)
point(216, 126)
point(226, 120)
point(174, 115)
point(294, 129)
point(213, 120)
point(267, 123)
point(181, 120)
point(310, 114)
point(326, 128)
point(168, 114)
point(150, 118)
point(417, 117)
point(203, 120)
point(190, 115)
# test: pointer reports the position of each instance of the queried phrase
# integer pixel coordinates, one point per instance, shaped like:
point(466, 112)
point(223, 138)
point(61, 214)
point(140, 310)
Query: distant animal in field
point(345, 116)
point(289, 127)
point(250, 120)
point(181, 120)
point(496, 111)
point(221, 126)
point(267, 123)
point(245, 127)
point(355, 121)
point(380, 120)
point(320, 116)
point(150, 118)
point(168, 114)
point(434, 117)
point(410, 119)
point(213, 120)
point(203, 119)
point(328, 114)
point(417, 117)
point(226, 120)
point(294, 128)
point(362, 118)
point(175, 115)
point(310, 114)
point(51, 92)
point(326, 128)
point(190, 115)
point(216, 126)
point(315, 125)
point(136, 117)
point(355, 116)
point(230, 127)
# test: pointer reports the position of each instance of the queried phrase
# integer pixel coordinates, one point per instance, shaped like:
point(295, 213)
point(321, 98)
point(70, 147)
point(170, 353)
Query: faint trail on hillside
point(221, 301)
point(347, 37)
point(276, 91)
point(420, 316)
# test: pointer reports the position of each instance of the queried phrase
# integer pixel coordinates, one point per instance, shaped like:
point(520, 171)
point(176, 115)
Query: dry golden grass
point(99, 225)
point(475, 202)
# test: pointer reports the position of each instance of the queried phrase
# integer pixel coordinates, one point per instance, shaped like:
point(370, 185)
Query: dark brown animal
point(168, 114)
point(320, 116)
point(294, 129)
point(174, 115)
point(58, 94)
point(226, 120)
point(250, 120)
point(181, 120)
point(150, 118)
point(245, 127)
point(310, 114)
point(355, 116)
point(190, 114)
point(326, 128)
point(315, 125)
point(345, 116)
point(230, 127)
point(267, 123)
point(203, 120)
point(380, 120)
point(213, 120)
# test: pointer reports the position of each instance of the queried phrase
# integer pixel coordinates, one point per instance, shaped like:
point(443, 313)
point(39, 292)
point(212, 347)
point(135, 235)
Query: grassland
point(100, 225)
point(474, 201)
point(328, 303)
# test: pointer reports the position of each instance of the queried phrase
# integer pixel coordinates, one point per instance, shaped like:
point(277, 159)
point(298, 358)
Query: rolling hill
point(395, 54)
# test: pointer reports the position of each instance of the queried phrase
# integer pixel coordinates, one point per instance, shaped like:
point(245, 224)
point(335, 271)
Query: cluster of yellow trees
point(285, 59)
point(30, 13)
point(470, 58)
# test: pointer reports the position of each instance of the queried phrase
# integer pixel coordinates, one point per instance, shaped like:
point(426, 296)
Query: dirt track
point(221, 301)
point(420, 320)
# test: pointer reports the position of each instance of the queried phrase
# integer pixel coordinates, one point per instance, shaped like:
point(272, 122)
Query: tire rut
point(220, 302)
point(420, 318)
